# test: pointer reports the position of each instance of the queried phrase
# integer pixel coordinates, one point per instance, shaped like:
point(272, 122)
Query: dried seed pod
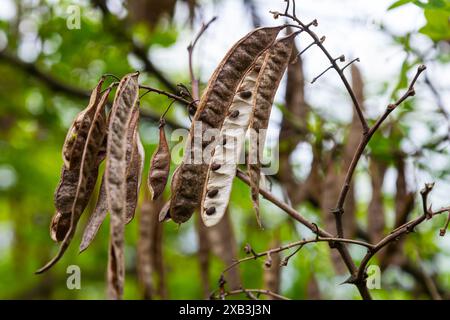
point(269, 78)
point(96, 218)
point(159, 166)
point(126, 98)
point(64, 198)
point(134, 178)
point(101, 207)
point(87, 175)
point(76, 136)
point(217, 189)
point(211, 112)
point(135, 157)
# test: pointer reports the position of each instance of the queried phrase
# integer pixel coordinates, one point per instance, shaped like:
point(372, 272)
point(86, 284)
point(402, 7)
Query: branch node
point(268, 262)
point(341, 58)
point(314, 23)
point(444, 229)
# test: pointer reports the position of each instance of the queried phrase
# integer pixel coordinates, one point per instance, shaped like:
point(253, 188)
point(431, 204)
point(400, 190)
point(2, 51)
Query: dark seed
point(192, 110)
point(234, 114)
point(210, 211)
point(245, 94)
point(212, 193)
point(215, 166)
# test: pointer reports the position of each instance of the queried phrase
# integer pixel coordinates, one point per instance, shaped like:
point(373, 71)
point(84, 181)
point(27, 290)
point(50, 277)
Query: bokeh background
point(46, 68)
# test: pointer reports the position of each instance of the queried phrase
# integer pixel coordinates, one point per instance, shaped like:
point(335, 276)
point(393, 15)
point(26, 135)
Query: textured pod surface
point(126, 98)
point(76, 136)
point(275, 63)
point(159, 166)
point(134, 176)
point(134, 159)
point(64, 198)
point(217, 189)
point(87, 175)
point(211, 112)
point(66, 192)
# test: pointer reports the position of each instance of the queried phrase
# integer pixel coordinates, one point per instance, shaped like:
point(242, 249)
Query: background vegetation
point(45, 69)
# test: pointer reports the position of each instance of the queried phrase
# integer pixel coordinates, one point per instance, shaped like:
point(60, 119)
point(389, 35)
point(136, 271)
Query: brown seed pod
point(76, 136)
point(211, 112)
point(269, 78)
point(135, 157)
point(87, 175)
point(217, 189)
point(96, 218)
point(101, 207)
point(64, 198)
point(159, 166)
point(126, 98)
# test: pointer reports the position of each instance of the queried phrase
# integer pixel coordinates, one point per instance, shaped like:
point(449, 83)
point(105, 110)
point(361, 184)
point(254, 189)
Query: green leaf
point(438, 25)
point(399, 3)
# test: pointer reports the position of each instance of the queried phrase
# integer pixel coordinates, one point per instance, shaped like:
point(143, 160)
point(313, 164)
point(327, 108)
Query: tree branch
point(400, 231)
point(319, 42)
point(136, 48)
point(190, 48)
point(59, 86)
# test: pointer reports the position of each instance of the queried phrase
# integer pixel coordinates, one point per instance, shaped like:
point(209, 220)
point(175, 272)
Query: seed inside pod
point(215, 166)
point(210, 211)
point(212, 193)
point(246, 94)
point(234, 114)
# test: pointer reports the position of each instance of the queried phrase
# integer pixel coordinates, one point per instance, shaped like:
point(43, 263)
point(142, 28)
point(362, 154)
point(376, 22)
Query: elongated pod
point(227, 153)
point(96, 218)
point(159, 166)
point(125, 101)
point(187, 184)
point(275, 63)
point(134, 176)
point(87, 175)
point(134, 158)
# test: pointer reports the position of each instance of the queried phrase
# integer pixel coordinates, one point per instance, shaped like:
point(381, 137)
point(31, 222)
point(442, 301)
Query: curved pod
point(227, 153)
point(187, 184)
point(272, 71)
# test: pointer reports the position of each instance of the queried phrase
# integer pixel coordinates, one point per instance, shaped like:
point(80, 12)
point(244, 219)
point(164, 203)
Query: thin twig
point(361, 147)
point(405, 229)
point(167, 94)
point(317, 40)
point(190, 48)
point(299, 243)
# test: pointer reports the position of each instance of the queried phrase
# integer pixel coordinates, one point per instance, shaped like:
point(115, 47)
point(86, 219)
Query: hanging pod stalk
point(272, 70)
point(227, 153)
point(187, 183)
